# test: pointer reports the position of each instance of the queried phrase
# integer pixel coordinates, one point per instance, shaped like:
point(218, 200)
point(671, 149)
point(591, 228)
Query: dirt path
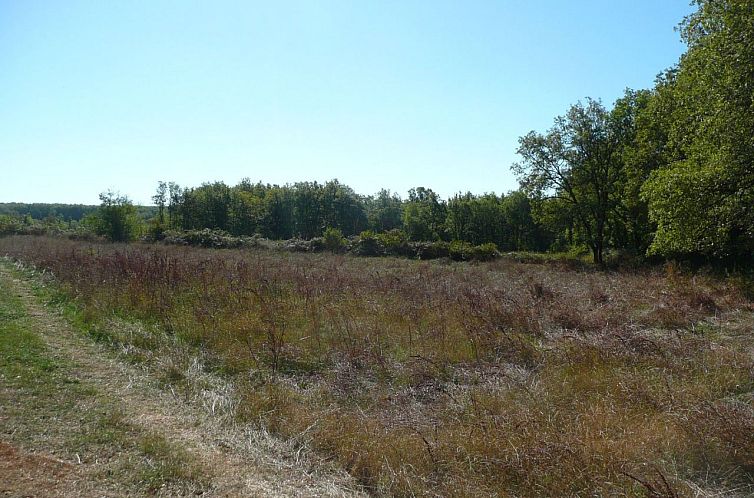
point(234, 461)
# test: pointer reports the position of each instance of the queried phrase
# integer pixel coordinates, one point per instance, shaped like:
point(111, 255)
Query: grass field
point(49, 418)
point(431, 378)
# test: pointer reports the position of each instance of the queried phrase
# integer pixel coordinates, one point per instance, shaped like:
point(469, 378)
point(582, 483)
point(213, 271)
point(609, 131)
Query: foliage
point(384, 211)
point(367, 244)
point(39, 211)
point(333, 240)
point(424, 215)
point(302, 245)
point(160, 198)
point(483, 252)
point(577, 162)
point(638, 122)
point(463, 251)
point(116, 218)
point(525, 232)
point(477, 219)
point(702, 198)
point(9, 225)
point(395, 242)
point(217, 239)
point(430, 250)
point(303, 209)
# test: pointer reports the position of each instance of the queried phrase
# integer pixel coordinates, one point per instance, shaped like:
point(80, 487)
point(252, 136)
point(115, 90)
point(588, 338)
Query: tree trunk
point(597, 254)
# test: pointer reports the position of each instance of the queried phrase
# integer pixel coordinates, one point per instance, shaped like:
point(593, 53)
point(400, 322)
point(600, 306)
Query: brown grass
point(420, 378)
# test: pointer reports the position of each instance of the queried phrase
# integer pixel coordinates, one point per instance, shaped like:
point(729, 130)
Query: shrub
point(155, 231)
point(300, 245)
point(395, 243)
point(367, 244)
point(430, 250)
point(484, 252)
point(334, 240)
point(206, 237)
point(116, 218)
point(460, 250)
point(464, 251)
point(9, 225)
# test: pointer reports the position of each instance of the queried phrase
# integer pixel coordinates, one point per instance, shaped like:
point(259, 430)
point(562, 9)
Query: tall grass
point(426, 378)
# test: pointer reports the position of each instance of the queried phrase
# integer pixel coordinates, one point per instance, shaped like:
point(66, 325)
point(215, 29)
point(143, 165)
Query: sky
point(395, 94)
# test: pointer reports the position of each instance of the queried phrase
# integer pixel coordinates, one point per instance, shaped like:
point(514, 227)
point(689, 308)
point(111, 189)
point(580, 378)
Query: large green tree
point(477, 219)
point(424, 215)
point(384, 211)
point(576, 161)
point(638, 121)
point(703, 199)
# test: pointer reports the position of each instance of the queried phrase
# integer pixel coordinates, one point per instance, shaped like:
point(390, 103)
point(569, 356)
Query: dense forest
point(306, 209)
point(666, 171)
point(41, 211)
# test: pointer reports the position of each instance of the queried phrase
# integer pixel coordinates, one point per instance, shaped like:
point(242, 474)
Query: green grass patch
point(46, 408)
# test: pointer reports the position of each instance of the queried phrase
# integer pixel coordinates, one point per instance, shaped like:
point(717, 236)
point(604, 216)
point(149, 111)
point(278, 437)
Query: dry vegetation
point(446, 379)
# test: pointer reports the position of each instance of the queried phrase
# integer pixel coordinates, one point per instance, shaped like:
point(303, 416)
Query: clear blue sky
point(396, 94)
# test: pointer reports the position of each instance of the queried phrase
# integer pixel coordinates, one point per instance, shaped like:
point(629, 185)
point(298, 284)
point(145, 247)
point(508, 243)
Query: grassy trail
point(74, 421)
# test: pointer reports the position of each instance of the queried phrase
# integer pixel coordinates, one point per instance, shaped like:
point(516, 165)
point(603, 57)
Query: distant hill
point(66, 212)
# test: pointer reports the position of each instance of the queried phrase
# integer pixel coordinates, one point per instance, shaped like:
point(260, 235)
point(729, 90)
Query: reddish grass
point(501, 378)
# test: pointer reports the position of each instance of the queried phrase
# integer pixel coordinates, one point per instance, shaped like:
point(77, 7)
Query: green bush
point(395, 243)
point(116, 218)
point(334, 240)
point(430, 250)
point(155, 231)
point(484, 252)
point(301, 245)
point(464, 251)
point(206, 237)
point(367, 244)
point(460, 250)
point(9, 225)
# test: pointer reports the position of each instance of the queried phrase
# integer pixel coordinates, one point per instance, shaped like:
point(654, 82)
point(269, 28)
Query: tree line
point(666, 171)
point(40, 211)
point(306, 209)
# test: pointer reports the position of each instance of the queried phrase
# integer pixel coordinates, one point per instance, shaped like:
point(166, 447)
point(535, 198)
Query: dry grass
point(423, 378)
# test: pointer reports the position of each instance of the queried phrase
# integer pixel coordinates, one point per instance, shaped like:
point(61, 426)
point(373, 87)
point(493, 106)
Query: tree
point(702, 200)
point(333, 239)
point(639, 122)
point(459, 221)
point(342, 208)
point(279, 218)
point(159, 199)
point(307, 209)
point(116, 217)
point(384, 211)
point(476, 219)
point(424, 215)
point(522, 231)
point(175, 193)
point(576, 161)
point(246, 212)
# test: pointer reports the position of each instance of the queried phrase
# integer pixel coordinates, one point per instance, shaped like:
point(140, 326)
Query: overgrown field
point(432, 378)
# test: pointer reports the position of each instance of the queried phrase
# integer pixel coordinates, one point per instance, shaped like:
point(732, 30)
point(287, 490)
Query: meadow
point(508, 378)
